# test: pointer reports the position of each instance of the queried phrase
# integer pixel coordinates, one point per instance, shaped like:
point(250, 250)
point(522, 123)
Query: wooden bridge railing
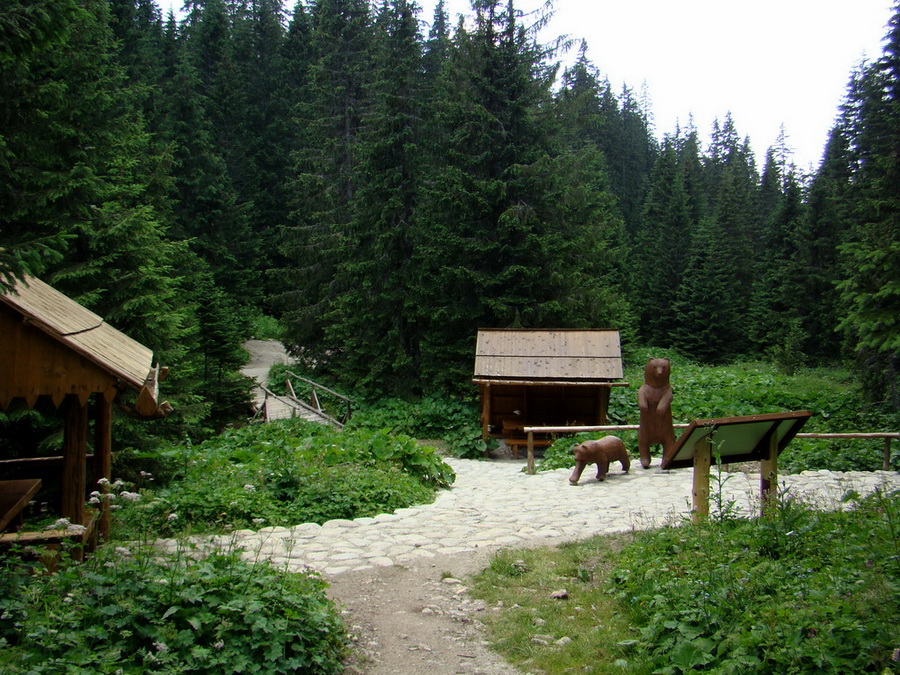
point(888, 436)
point(314, 389)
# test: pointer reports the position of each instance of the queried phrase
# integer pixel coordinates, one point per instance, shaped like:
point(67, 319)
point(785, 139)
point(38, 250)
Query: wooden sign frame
point(734, 439)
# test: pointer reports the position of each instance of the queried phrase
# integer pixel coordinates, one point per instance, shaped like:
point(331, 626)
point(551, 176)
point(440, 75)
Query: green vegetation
point(285, 473)
point(128, 609)
point(381, 193)
point(453, 421)
point(755, 387)
point(799, 591)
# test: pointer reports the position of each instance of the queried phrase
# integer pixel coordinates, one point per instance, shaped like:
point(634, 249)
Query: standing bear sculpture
point(655, 404)
point(602, 452)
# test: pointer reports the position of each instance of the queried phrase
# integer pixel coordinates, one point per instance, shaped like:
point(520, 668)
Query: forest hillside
point(384, 184)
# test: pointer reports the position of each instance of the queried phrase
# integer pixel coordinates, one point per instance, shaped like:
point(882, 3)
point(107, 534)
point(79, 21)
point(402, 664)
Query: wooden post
point(603, 411)
point(700, 492)
point(103, 456)
point(74, 470)
point(768, 475)
point(530, 452)
point(886, 464)
point(485, 410)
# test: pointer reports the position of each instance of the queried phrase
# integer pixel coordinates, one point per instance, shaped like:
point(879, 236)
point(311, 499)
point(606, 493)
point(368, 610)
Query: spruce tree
point(512, 227)
point(376, 319)
point(323, 181)
point(870, 259)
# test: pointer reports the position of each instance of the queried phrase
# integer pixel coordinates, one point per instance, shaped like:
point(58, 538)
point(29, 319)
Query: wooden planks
point(562, 355)
point(78, 329)
point(14, 497)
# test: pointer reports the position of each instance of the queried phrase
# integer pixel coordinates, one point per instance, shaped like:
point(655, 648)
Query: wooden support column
point(768, 475)
point(103, 455)
point(530, 453)
point(700, 492)
point(485, 410)
point(603, 411)
point(74, 475)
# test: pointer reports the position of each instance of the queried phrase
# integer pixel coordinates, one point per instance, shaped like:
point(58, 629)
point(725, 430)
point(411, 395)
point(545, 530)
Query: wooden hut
point(545, 378)
point(52, 347)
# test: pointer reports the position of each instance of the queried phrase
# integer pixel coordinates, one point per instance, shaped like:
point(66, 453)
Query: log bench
point(14, 497)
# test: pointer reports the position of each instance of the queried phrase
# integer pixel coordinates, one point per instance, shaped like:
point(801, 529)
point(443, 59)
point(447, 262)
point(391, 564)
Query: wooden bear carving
point(602, 452)
point(655, 403)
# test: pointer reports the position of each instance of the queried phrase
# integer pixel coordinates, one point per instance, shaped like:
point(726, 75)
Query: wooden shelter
point(531, 377)
point(52, 347)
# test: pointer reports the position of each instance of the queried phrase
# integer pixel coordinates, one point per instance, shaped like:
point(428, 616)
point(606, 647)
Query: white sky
point(768, 62)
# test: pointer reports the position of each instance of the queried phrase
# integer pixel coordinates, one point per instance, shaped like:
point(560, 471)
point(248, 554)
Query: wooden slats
point(565, 355)
point(38, 301)
point(74, 327)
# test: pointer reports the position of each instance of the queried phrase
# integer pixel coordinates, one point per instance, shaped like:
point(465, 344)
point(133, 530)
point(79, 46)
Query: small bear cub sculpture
point(602, 452)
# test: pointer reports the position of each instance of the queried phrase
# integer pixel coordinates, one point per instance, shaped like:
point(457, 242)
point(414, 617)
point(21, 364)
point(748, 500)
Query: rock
point(561, 594)
point(563, 641)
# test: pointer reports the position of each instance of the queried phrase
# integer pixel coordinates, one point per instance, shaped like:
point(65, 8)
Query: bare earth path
point(400, 578)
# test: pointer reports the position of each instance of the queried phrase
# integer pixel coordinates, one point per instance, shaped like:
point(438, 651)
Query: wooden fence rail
point(888, 436)
point(315, 387)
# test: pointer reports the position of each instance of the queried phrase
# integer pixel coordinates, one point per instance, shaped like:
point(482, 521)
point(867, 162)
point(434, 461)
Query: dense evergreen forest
point(385, 185)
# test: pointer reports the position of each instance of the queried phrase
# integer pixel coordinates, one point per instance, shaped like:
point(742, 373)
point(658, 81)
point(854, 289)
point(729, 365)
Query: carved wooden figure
point(655, 403)
point(602, 452)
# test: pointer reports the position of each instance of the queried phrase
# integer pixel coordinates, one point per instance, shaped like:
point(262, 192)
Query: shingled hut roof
point(76, 328)
point(568, 356)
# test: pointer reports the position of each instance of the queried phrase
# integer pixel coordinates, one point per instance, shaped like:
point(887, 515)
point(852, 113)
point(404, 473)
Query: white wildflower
point(250, 488)
point(122, 551)
point(172, 516)
point(60, 524)
point(130, 496)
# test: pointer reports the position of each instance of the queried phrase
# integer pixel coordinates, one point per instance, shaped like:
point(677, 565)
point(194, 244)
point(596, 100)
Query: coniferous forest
point(385, 184)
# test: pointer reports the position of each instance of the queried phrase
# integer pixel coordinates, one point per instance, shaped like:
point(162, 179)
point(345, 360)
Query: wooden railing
point(314, 400)
point(888, 436)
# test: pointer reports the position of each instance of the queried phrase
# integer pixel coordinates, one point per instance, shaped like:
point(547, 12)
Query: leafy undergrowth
point(286, 473)
point(130, 611)
point(454, 421)
point(752, 388)
point(797, 591)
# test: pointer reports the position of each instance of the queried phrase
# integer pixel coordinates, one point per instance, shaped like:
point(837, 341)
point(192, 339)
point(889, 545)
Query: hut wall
point(544, 405)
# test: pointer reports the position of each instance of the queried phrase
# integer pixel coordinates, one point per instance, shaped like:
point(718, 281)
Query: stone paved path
point(493, 504)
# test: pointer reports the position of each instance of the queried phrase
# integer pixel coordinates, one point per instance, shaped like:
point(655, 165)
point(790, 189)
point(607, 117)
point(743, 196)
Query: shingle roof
point(62, 318)
point(560, 355)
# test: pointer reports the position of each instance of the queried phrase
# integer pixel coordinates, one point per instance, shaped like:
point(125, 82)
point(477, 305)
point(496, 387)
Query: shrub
point(798, 591)
point(131, 611)
point(285, 473)
point(454, 421)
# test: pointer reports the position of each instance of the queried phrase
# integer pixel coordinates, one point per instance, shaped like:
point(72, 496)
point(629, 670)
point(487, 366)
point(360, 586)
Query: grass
point(799, 591)
point(529, 627)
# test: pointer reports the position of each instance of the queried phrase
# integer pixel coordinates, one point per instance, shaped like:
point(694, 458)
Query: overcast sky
point(768, 62)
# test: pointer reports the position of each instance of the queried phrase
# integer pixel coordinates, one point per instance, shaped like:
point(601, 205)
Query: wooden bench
point(14, 497)
point(514, 444)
